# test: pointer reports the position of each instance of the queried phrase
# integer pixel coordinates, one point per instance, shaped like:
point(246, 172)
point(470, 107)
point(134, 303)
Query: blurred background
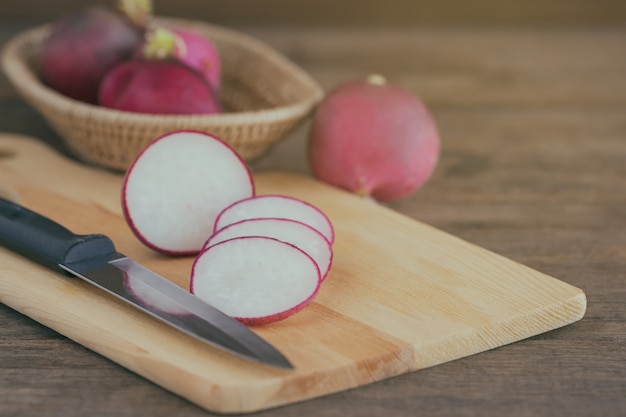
point(457, 55)
point(357, 12)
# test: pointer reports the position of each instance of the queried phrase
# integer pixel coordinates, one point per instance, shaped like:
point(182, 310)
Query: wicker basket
point(264, 95)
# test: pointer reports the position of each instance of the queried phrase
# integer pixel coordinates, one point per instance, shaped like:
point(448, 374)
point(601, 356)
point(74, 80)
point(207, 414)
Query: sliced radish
point(276, 206)
point(176, 187)
point(256, 280)
point(298, 234)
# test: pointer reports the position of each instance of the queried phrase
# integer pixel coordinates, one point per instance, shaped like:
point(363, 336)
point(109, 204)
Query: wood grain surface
point(532, 168)
point(401, 296)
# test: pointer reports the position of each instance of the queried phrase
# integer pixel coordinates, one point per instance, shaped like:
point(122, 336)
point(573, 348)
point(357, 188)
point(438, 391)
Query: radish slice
point(276, 206)
point(256, 280)
point(298, 234)
point(177, 186)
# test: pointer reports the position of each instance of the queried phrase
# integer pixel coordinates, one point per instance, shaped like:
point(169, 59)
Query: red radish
point(374, 139)
point(301, 235)
point(176, 187)
point(276, 206)
point(256, 280)
point(157, 87)
point(188, 47)
point(83, 45)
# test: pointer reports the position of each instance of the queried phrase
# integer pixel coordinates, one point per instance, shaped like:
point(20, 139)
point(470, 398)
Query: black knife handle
point(45, 241)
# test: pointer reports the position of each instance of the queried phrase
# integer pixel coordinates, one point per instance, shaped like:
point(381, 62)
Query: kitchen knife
point(94, 259)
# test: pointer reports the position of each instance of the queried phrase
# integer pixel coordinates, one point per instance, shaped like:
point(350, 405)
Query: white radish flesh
point(276, 206)
point(177, 186)
point(296, 233)
point(256, 280)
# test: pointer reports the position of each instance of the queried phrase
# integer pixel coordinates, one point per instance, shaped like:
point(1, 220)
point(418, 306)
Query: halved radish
point(256, 280)
point(298, 234)
point(176, 187)
point(276, 206)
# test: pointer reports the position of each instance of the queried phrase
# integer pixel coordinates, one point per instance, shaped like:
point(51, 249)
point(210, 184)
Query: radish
point(256, 280)
point(85, 44)
point(176, 187)
point(276, 206)
point(374, 139)
point(157, 87)
point(301, 235)
point(188, 47)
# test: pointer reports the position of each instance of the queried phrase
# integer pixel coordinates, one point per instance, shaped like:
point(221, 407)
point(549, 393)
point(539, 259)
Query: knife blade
point(94, 259)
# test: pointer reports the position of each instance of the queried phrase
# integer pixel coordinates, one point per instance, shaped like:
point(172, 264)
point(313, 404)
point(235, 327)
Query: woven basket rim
point(25, 79)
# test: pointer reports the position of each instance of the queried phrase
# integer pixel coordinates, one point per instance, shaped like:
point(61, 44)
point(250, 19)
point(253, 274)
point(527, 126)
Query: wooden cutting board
point(401, 295)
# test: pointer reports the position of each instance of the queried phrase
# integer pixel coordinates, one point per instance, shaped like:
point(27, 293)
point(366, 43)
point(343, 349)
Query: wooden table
point(533, 167)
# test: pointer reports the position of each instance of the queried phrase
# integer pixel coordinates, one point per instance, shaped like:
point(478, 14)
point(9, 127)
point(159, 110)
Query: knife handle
point(45, 241)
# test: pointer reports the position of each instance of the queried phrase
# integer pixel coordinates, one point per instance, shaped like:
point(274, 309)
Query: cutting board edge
point(209, 395)
point(23, 177)
point(217, 404)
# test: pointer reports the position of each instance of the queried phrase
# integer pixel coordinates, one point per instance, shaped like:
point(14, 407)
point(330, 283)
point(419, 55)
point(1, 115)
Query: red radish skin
point(157, 87)
point(301, 235)
point(200, 53)
point(82, 47)
point(256, 280)
point(374, 139)
point(276, 206)
point(175, 188)
point(187, 46)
